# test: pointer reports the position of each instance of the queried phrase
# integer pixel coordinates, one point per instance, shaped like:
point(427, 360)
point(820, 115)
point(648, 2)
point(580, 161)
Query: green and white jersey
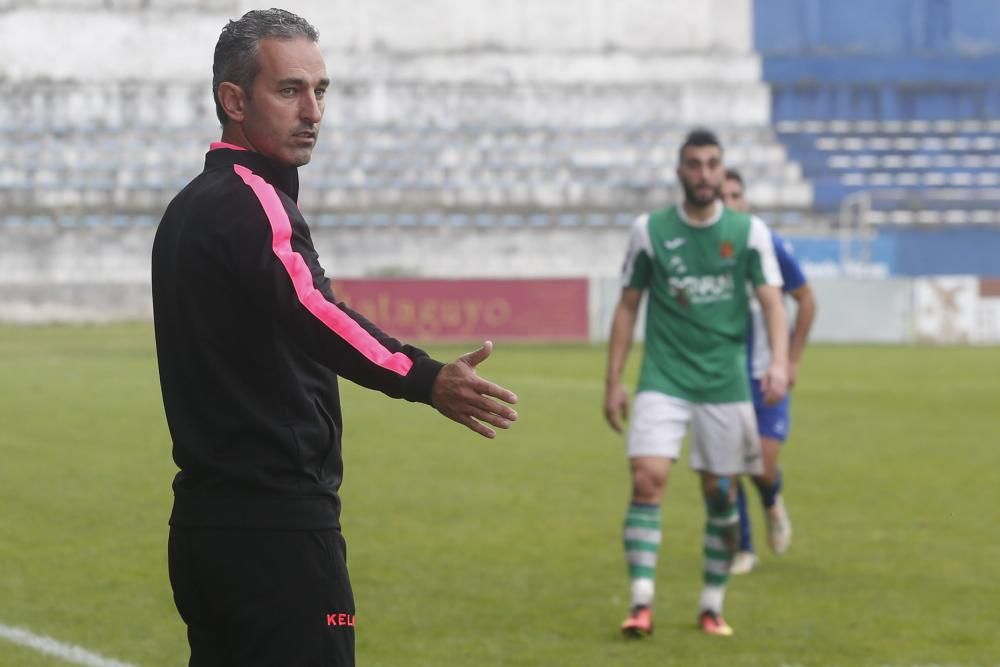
point(698, 308)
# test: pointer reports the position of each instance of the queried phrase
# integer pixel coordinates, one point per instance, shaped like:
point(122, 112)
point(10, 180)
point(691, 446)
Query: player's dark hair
point(734, 175)
point(238, 45)
point(698, 137)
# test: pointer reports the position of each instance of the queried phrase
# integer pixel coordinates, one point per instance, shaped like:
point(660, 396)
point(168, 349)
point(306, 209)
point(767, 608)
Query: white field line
point(49, 646)
point(919, 664)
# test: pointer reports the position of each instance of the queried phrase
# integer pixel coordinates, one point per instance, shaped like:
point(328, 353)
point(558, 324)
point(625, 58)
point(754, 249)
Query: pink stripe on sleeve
point(329, 314)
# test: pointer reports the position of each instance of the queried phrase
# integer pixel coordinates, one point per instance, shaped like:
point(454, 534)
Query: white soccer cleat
point(743, 562)
point(779, 527)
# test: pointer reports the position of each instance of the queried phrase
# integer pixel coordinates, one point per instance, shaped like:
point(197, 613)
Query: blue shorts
point(773, 421)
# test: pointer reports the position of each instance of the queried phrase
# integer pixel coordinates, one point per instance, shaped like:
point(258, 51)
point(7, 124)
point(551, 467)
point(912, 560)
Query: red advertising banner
point(989, 288)
point(471, 310)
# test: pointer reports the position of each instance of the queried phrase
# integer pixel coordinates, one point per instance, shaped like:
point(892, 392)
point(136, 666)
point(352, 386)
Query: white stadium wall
point(173, 39)
point(102, 275)
point(530, 25)
point(931, 310)
point(440, 58)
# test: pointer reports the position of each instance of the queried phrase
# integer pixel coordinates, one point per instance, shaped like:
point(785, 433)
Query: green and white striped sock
point(642, 545)
point(721, 537)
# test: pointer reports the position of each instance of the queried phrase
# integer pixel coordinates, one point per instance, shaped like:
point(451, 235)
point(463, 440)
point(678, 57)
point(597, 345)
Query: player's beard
point(691, 194)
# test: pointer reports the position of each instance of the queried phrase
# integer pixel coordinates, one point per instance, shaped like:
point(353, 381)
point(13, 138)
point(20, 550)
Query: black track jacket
point(250, 342)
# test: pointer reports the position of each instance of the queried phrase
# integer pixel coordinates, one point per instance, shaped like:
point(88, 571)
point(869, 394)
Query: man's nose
point(311, 109)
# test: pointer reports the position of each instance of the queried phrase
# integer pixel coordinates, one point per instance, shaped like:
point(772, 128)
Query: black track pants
point(267, 598)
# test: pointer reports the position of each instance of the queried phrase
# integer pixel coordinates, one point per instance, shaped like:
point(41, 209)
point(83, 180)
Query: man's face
point(732, 195)
point(701, 174)
point(281, 119)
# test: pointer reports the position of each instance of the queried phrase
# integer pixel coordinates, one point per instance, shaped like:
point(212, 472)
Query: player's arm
point(804, 317)
point(795, 284)
point(636, 274)
point(766, 274)
point(622, 326)
point(774, 384)
point(279, 265)
point(457, 391)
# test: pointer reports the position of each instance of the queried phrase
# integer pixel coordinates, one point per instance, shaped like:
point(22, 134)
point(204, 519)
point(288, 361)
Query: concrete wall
point(67, 274)
point(547, 25)
point(933, 310)
point(850, 310)
point(102, 274)
point(99, 40)
point(147, 63)
point(90, 275)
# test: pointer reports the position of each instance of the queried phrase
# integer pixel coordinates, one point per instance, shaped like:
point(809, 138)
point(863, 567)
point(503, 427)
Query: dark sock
point(746, 532)
point(768, 494)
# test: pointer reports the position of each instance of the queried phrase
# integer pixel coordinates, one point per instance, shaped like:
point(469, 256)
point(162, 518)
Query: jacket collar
point(223, 155)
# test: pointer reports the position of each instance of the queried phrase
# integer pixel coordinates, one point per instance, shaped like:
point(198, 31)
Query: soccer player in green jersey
point(699, 263)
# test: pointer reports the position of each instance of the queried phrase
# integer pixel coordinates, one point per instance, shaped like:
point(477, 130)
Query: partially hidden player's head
point(700, 169)
point(269, 81)
point(733, 194)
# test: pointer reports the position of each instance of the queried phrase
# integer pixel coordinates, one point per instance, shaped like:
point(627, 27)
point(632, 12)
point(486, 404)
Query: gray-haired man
point(250, 343)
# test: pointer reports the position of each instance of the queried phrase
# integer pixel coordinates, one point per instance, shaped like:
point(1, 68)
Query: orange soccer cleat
point(639, 623)
point(713, 624)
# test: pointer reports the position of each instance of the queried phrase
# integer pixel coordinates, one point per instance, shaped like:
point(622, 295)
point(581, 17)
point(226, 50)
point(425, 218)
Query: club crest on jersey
point(726, 251)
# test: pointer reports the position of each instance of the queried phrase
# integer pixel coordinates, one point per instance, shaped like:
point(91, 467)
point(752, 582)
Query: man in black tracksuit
point(250, 341)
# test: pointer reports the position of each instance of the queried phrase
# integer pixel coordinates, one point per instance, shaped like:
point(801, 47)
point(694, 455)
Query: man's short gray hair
point(239, 43)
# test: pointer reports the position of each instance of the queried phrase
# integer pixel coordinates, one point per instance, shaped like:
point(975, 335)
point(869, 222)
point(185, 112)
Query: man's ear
point(233, 101)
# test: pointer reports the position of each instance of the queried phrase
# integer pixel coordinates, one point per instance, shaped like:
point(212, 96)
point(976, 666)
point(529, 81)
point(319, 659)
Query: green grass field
point(467, 552)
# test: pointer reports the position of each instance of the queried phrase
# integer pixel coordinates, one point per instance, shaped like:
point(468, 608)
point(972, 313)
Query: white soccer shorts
point(724, 438)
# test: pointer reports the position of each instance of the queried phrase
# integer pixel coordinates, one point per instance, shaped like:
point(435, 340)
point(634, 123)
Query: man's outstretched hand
point(460, 394)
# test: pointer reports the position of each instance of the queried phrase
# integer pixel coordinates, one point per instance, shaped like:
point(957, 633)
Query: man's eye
point(320, 93)
point(288, 92)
